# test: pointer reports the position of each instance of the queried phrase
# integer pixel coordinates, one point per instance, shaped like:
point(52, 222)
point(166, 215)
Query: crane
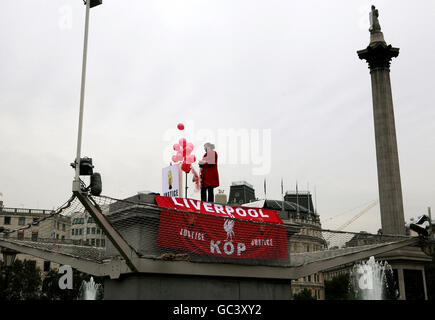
point(358, 215)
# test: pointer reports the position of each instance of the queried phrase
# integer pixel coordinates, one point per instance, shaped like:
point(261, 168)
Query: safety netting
point(191, 230)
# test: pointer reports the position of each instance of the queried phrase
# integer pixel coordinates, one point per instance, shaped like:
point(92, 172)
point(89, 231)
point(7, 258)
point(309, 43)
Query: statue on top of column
point(374, 21)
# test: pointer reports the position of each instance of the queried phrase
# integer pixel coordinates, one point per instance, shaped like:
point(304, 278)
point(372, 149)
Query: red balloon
point(182, 142)
point(185, 167)
point(180, 126)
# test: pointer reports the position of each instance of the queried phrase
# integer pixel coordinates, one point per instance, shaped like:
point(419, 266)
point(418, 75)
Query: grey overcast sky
point(286, 66)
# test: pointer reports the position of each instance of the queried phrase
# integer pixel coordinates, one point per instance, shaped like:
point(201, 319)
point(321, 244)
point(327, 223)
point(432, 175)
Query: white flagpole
point(308, 196)
point(282, 194)
point(76, 183)
point(297, 199)
point(265, 193)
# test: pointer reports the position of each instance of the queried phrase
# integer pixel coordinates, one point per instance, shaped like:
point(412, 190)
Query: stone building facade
point(53, 229)
point(309, 239)
point(84, 230)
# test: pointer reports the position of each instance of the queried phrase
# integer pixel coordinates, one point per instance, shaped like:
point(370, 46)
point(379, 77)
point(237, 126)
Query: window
point(20, 235)
point(91, 220)
point(72, 231)
point(88, 230)
point(58, 226)
point(21, 221)
point(80, 231)
point(57, 236)
point(309, 278)
point(93, 230)
point(63, 237)
point(78, 221)
point(103, 242)
point(34, 235)
point(93, 242)
point(46, 266)
point(98, 230)
point(7, 220)
point(98, 242)
point(63, 226)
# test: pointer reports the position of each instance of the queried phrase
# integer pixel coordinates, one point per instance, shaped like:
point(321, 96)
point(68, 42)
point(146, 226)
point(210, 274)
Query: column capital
point(378, 55)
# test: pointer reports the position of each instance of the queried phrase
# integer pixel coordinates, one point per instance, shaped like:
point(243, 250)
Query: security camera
point(86, 167)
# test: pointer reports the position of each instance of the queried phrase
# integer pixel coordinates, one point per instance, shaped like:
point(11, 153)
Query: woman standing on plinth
point(209, 173)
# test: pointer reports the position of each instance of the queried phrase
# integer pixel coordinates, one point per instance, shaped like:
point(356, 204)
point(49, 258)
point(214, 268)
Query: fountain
point(372, 280)
point(89, 290)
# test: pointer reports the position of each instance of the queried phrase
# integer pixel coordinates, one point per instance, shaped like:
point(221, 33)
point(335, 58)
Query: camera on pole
point(94, 3)
point(96, 185)
point(87, 169)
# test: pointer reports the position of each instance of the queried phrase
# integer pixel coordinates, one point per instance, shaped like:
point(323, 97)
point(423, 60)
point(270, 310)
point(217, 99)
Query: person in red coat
point(209, 173)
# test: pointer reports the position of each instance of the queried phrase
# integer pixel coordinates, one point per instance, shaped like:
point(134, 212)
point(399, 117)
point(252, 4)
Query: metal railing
point(24, 211)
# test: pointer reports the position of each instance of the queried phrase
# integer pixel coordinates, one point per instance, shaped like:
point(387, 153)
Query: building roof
point(242, 183)
point(24, 211)
point(276, 205)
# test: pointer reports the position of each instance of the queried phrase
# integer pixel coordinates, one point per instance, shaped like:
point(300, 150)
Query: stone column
point(378, 55)
point(424, 284)
point(401, 280)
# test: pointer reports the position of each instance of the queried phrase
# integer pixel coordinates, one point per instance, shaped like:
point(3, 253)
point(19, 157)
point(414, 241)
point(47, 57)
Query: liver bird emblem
point(228, 227)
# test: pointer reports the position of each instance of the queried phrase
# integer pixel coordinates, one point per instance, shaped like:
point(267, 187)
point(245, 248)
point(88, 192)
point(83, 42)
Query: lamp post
point(89, 4)
point(9, 256)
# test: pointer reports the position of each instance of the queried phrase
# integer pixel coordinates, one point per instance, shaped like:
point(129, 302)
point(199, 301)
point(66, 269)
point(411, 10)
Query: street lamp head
point(9, 256)
point(94, 3)
point(86, 167)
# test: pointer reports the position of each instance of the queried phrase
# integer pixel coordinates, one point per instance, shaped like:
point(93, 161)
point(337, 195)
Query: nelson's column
point(378, 56)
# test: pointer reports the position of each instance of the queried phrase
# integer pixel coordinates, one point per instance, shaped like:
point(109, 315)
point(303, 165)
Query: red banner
point(221, 230)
